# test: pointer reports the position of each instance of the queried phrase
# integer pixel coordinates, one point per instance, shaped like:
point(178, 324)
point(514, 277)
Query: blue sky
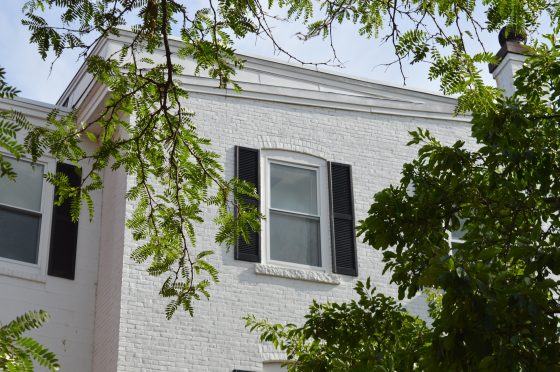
point(363, 58)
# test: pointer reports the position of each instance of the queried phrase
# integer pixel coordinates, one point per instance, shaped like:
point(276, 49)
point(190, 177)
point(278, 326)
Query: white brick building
point(109, 317)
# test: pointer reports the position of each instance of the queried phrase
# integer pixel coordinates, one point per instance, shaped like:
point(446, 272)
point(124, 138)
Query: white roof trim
point(317, 99)
point(289, 83)
point(30, 107)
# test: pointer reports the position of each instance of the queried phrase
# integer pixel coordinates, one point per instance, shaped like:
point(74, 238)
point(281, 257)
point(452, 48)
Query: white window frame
point(451, 240)
point(35, 271)
point(276, 365)
point(304, 161)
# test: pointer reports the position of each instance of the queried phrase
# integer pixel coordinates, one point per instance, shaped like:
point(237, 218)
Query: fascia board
point(288, 96)
point(99, 49)
point(93, 103)
point(339, 80)
point(34, 110)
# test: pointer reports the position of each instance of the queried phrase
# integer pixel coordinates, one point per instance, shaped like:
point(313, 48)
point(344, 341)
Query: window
point(274, 367)
point(294, 219)
point(33, 231)
point(309, 210)
point(456, 236)
point(296, 209)
point(22, 212)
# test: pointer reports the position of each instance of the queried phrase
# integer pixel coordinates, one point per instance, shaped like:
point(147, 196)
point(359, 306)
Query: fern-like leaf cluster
point(18, 353)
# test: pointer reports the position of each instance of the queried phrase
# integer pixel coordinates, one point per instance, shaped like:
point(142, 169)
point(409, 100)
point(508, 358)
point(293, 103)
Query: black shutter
point(64, 232)
point(343, 235)
point(247, 169)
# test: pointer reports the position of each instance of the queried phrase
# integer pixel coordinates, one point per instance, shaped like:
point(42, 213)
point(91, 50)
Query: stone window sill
point(14, 271)
point(298, 274)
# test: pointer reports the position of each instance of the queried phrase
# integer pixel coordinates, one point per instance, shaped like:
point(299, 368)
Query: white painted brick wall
point(215, 339)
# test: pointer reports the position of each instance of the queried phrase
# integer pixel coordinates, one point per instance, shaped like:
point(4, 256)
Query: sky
point(362, 57)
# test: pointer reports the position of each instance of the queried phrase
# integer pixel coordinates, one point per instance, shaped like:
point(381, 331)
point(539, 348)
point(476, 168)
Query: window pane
point(26, 191)
point(460, 232)
point(274, 367)
point(294, 239)
point(293, 189)
point(19, 235)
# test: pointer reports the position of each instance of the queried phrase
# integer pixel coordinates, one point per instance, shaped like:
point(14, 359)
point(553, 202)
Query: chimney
point(511, 55)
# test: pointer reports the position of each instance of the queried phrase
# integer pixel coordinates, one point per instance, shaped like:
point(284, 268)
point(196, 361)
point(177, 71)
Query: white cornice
point(30, 108)
point(339, 79)
point(81, 74)
point(270, 64)
point(310, 87)
point(324, 100)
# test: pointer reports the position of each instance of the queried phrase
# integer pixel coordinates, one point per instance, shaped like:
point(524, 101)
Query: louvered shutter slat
point(247, 169)
point(64, 232)
point(342, 220)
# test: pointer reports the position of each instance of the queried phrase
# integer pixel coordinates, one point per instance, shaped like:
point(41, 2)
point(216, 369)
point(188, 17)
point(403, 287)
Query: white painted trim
point(24, 270)
point(19, 272)
point(323, 99)
point(30, 108)
point(298, 274)
point(267, 64)
point(303, 145)
point(330, 90)
point(82, 72)
point(308, 162)
point(38, 106)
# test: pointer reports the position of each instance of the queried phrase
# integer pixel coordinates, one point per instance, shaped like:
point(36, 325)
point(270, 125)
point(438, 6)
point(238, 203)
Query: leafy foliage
point(11, 122)
point(371, 334)
point(176, 176)
point(500, 287)
point(439, 32)
point(17, 352)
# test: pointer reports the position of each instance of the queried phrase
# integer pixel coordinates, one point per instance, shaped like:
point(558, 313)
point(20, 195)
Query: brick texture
point(215, 338)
